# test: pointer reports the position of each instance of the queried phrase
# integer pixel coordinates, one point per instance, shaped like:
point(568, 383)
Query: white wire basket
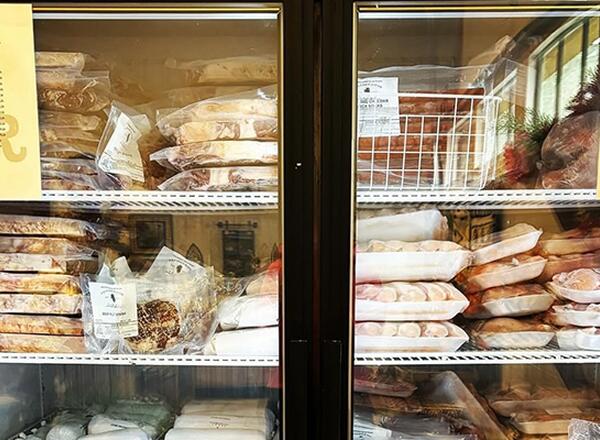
point(445, 142)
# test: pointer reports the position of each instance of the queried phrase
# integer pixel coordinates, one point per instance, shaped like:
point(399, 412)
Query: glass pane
point(570, 81)
point(593, 50)
point(548, 86)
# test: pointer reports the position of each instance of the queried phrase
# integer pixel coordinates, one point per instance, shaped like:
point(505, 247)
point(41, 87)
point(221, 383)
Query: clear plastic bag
point(59, 304)
point(569, 263)
point(45, 263)
point(63, 120)
point(249, 311)
point(248, 342)
point(16, 343)
point(69, 136)
point(58, 181)
point(422, 225)
point(265, 283)
point(39, 283)
point(71, 91)
point(218, 153)
point(224, 179)
point(54, 227)
point(573, 241)
point(514, 300)
point(65, 150)
point(78, 166)
point(60, 60)
point(45, 245)
point(41, 325)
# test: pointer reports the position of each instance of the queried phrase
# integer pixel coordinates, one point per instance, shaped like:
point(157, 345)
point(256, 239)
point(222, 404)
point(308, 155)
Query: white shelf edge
point(124, 359)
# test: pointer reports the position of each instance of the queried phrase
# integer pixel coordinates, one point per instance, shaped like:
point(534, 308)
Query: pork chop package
point(399, 301)
point(514, 300)
point(384, 261)
point(580, 286)
point(383, 381)
point(508, 333)
point(510, 270)
point(263, 178)
point(248, 312)
point(567, 263)
point(387, 224)
point(408, 336)
point(514, 240)
point(574, 241)
point(125, 312)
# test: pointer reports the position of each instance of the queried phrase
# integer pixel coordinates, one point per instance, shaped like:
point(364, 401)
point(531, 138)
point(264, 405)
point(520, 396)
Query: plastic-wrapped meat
point(383, 381)
point(515, 300)
point(52, 226)
point(41, 343)
point(44, 245)
point(55, 119)
point(68, 135)
point(227, 128)
point(159, 325)
point(569, 263)
point(580, 279)
point(427, 224)
point(39, 283)
point(573, 241)
point(511, 241)
point(578, 174)
point(234, 70)
point(59, 304)
point(41, 325)
point(78, 166)
point(44, 263)
point(224, 179)
point(60, 60)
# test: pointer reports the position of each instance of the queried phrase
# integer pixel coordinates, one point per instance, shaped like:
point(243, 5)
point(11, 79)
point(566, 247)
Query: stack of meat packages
point(40, 299)
point(573, 275)
point(249, 324)
point(403, 296)
point(227, 143)
point(71, 97)
point(418, 156)
point(224, 419)
point(504, 290)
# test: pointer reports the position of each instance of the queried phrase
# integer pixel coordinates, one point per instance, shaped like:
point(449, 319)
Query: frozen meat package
point(517, 239)
point(509, 333)
point(573, 241)
point(45, 246)
point(68, 91)
point(408, 336)
point(510, 270)
point(39, 283)
point(44, 263)
point(249, 311)
point(53, 227)
point(240, 407)
point(18, 343)
point(400, 301)
point(41, 325)
point(579, 315)
point(60, 60)
point(246, 342)
point(384, 261)
point(566, 263)
point(62, 120)
point(507, 301)
point(383, 381)
point(580, 285)
point(252, 178)
point(576, 338)
point(387, 225)
point(213, 434)
point(40, 304)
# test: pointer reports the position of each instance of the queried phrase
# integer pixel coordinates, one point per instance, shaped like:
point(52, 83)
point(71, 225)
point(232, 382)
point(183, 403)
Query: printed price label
point(122, 155)
point(20, 176)
point(378, 107)
point(114, 308)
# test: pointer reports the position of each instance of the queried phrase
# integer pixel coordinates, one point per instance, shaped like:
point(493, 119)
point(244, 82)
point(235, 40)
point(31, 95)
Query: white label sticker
point(114, 310)
point(122, 155)
point(378, 107)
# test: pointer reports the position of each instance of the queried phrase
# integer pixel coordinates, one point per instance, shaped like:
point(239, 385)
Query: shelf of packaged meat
point(165, 201)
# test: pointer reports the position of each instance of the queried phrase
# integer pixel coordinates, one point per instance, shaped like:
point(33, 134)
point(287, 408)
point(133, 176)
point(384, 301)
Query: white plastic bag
point(249, 311)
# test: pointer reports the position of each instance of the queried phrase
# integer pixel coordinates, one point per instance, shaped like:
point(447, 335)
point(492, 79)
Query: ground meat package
point(217, 153)
point(53, 227)
point(224, 179)
point(399, 301)
point(230, 71)
point(568, 263)
point(514, 240)
point(169, 309)
point(515, 300)
point(574, 241)
point(508, 333)
point(384, 261)
point(427, 224)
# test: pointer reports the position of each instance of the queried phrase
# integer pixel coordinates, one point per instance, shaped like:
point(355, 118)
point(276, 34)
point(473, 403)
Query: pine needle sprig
point(588, 97)
point(533, 128)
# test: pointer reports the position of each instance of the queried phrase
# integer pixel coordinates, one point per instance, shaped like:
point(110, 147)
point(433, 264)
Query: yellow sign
point(19, 137)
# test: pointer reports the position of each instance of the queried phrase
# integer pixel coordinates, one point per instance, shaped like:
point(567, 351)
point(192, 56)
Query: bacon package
point(514, 240)
point(574, 241)
point(515, 300)
point(408, 336)
point(399, 301)
point(503, 272)
point(386, 224)
point(568, 263)
point(508, 333)
point(580, 285)
point(384, 261)
point(224, 179)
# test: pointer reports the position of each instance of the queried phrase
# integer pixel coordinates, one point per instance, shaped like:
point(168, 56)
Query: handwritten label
point(378, 107)
point(20, 177)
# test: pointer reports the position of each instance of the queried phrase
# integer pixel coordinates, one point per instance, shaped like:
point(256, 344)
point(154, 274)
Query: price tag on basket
point(378, 107)
point(19, 137)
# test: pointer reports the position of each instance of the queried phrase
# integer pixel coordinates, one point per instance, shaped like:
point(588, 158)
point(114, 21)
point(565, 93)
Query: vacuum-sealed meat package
point(515, 300)
point(574, 241)
point(508, 333)
point(248, 342)
point(59, 304)
point(72, 92)
point(384, 261)
point(57, 181)
point(383, 381)
point(579, 315)
point(568, 263)
point(44, 263)
point(514, 240)
point(399, 301)
point(75, 121)
point(233, 70)
point(510, 270)
point(44, 245)
point(60, 60)
point(72, 166)
point(422, 225)
point(39, 283)
point(10, 342)
point(217, 153)
point(53, 227)
point(408, 336)
point(224, 179)
point(64, 150)
point(249, 311)
point(69, 136)
point(41, 325)
point(543, 421)
point(580, 285)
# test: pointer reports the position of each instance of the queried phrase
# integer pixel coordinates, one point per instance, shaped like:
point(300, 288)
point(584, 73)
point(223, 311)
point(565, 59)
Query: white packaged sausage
point(514, 240)
point(429, 224)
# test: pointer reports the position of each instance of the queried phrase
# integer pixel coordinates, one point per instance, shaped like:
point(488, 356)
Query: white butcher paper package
point(248, 312)
point(388, 224)
point(384, 261)
point(511, 241)
point(400, 301)
point(169, 309)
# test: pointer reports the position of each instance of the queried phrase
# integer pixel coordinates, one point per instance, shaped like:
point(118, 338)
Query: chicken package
point(580, 285)
point(383, 261)
point(248, 342)
point(213, 434)
point(41, 325)
point(224, 179)
point(79, 166)
point(579, 315)
point(58, 304)
point(265, 283)
point(54, 119)
point(66, 91)
point(248, 312)
point(509, 333)
point(227, 422)
point(399, 301)
point(515, 300)
point(510, 270)
point(121, 434)
point(16, 343)
point(53, 227)
point(233, 70)
point(514, 240)
point(552, 421)
point(383, 381)
point(38, 283)
point(569, 263)
point(384, 225)
point(408, 336)
point(43, 263)
point(573, 241)
point(216, 154)
point(60, 60)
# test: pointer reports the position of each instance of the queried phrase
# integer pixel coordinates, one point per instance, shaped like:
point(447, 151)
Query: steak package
point(263, 178)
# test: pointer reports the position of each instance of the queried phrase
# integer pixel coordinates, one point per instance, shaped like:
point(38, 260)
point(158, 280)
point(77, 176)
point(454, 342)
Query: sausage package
point(408, 336)
point(509, 333)
point(384, 261)
point(514, 240)
point(224, 179)
point(41, 343)
point(569, 263)
point(41, 325)
point(249, 311)
point(53, 227)
point(247, 342)
point(580, 286)
point(574, 241)
point(384, 225)
point(399, 301)
point(515, 300)
point(59, 304)
point(510, 270)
